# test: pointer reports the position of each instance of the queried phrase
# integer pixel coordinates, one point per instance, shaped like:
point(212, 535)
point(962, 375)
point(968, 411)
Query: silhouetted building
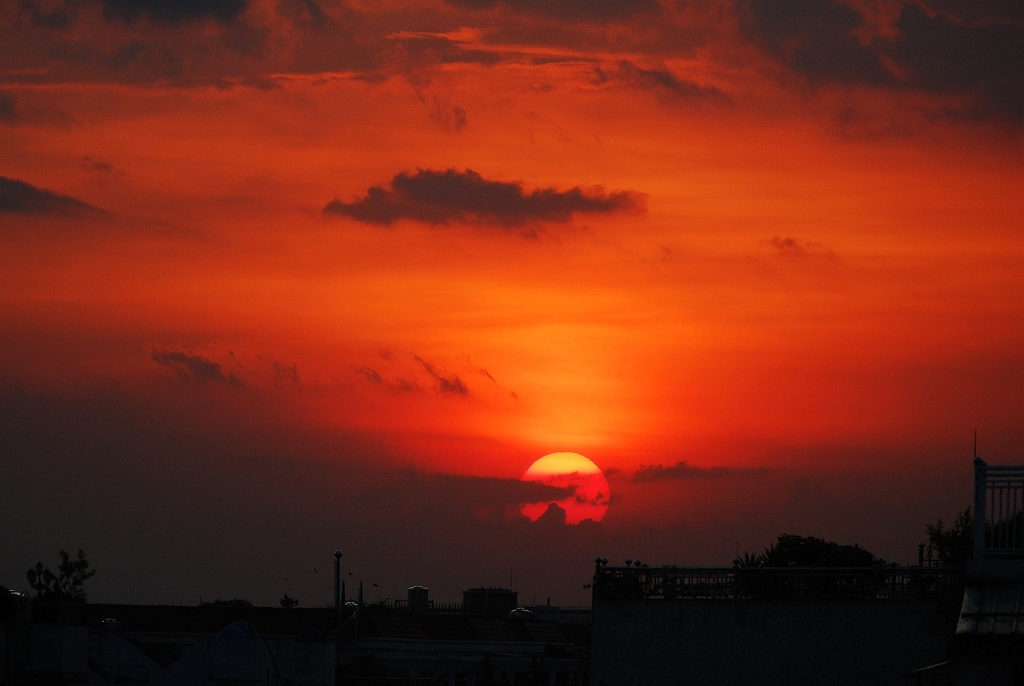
point(988, 646)
point(868, 625)
point(497, 601)
point(855, 626)
point(411, 642)
point(449, 646)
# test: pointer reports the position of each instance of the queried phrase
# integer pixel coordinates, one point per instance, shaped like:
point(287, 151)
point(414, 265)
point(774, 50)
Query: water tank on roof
point(418, 599)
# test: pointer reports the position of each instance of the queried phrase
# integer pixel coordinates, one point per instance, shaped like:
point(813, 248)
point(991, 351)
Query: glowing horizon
point(372, 259)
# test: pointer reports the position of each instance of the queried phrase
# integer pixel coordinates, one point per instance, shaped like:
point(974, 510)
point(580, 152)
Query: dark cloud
point(181, 43)
point(152, 59)
point(684, 470)
point(374, 377)
point(660, 79)
point(307, 10)
point(449, 385)
point(977, 53)
point(174, 11)
point(18, 196)
point(946, 56)
point(194, 367)
point(51, 15)
point(791, 247)
point(979, 10)
point(788, 246)
point(598, 499)
point(99, 167)
point(814, 37)
point(495, 491)
point(102, 172)
point(555, 516)
point(400, 384)
point(273, 369)
point(569, 10)
point(447, 115)
point(442, 197)
point(414, 51)
point(370, 375)
point(286, 372)
point(8, 109)
point(146, 41)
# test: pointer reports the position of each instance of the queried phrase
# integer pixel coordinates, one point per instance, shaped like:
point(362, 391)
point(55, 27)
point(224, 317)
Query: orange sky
point(762, 262)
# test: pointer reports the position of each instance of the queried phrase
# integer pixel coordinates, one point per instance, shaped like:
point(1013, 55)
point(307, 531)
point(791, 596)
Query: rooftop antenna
point(337, 580)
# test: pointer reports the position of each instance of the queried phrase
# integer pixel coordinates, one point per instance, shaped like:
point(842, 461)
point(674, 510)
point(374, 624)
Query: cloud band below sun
point(685, 470)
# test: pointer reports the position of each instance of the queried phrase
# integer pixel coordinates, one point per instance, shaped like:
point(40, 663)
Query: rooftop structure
point(998, 511)
point(776, 583)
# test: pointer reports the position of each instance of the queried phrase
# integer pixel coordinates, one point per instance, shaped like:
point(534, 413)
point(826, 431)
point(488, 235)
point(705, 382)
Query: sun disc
point(586, 483)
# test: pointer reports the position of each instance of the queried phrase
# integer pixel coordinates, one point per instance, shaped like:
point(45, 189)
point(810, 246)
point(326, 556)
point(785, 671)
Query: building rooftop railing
point(998, 511)
point(777, 583)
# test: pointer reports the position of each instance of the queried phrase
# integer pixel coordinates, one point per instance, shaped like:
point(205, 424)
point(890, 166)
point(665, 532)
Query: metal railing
point(432, 607)
point(770, 583)
point(998, 510)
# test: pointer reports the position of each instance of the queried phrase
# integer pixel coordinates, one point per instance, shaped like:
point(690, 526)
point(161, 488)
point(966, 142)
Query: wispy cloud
point(684, 470)
point(596, 11)
point(449, 385)
point(787, 246)
point(194, 367)
point(659, 79)
point(18, 196)
point(174, 11)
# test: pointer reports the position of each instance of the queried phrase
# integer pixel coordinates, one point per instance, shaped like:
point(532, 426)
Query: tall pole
point(337, 579)
point(980, 469)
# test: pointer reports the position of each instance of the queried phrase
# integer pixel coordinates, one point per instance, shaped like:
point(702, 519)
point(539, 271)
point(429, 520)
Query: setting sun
point(350, 267)
point(584, 480)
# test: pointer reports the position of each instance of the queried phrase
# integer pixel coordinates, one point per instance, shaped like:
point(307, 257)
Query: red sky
point(285, 276)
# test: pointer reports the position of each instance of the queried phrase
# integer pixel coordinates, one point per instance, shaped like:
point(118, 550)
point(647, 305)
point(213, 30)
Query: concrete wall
point(765, 643)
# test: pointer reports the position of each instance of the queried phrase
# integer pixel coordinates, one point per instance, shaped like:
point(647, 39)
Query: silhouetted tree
point(66, 584)
point(747, 560)
point(807, 551)
point(234, 602)
point(952, 546)
point(287, 601)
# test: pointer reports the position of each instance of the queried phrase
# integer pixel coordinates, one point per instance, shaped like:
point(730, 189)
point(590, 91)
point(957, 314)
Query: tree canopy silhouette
point(66, 584)
point(952, 546)
point(791, 550)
